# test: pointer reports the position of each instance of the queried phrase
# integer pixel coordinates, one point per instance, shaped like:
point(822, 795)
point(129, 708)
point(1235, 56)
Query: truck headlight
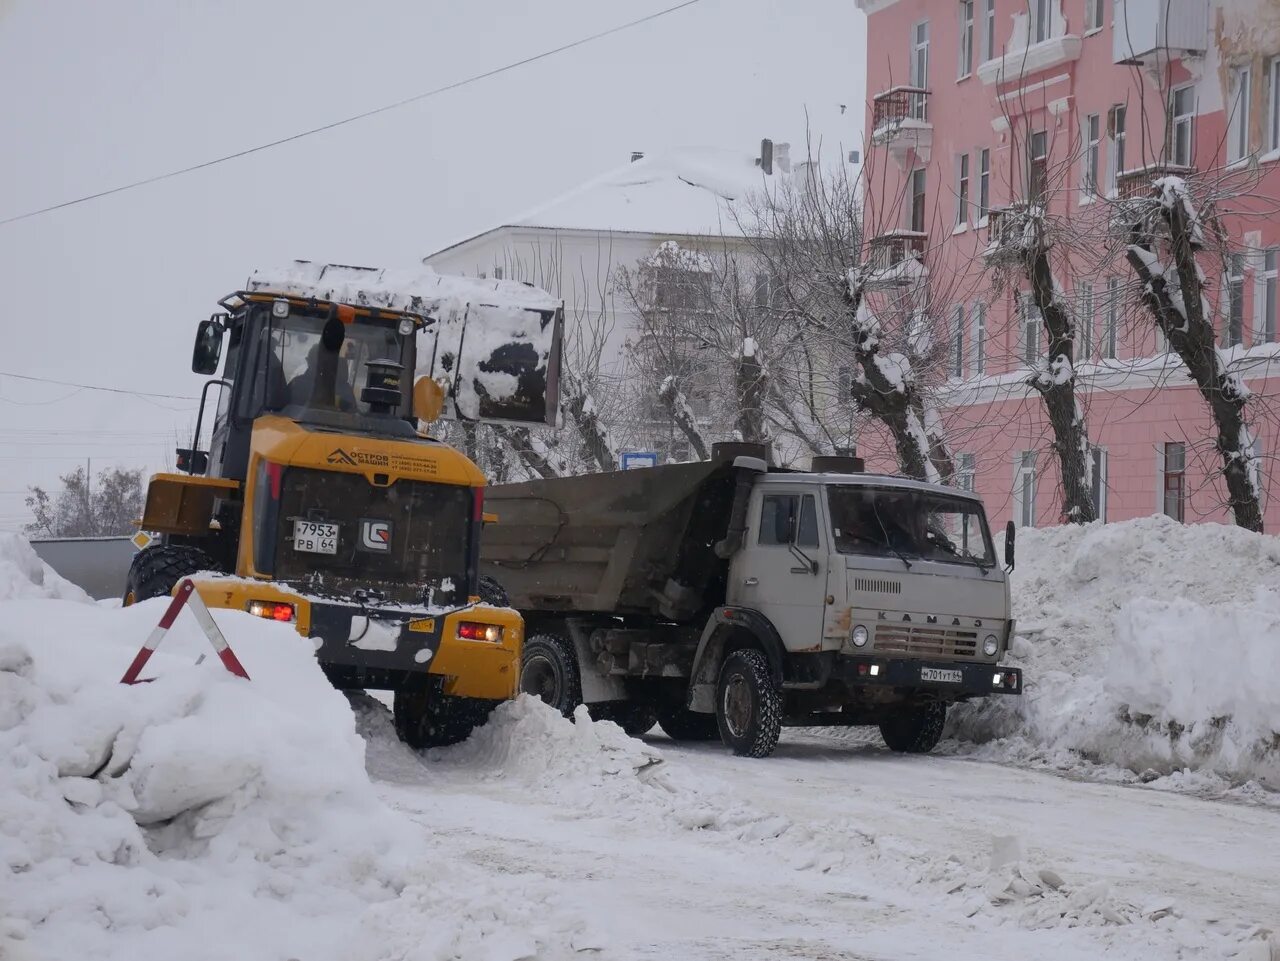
point(859, 636)
point(990, 645)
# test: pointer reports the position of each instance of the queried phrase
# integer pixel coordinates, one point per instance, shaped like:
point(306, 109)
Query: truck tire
point(634, 717)
point(156, 570)
point(426, 719)
point(748, 706)
point(681, 724)
point(914, 728)
point(549, 670)
point(491, 592)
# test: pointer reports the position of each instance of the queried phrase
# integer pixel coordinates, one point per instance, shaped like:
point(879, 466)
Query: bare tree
point(109, 508)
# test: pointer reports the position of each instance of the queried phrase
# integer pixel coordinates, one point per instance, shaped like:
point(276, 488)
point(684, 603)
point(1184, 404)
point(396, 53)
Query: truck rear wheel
point(426, 719)
point(681, 724)
point(492, 593)
point(748, 706)
point(549, 670)
point(156, 570)
point(914, 728)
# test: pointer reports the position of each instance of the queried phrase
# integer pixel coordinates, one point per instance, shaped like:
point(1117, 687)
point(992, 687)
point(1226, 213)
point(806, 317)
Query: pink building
point(977, 104)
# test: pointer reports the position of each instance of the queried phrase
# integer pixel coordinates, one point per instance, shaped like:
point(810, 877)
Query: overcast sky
point(95, 94)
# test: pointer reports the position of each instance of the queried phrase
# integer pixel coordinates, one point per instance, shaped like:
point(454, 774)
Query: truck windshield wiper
point(883, 530)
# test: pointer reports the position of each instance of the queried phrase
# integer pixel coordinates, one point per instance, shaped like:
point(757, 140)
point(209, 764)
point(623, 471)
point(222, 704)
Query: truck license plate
point(315, 538)
point(939, 674)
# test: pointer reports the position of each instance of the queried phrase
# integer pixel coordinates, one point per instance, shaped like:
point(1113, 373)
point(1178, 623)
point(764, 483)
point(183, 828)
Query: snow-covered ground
point(202, 816)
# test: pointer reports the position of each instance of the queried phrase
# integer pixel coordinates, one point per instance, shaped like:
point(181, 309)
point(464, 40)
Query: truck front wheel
point(914, 728)
point(549, 670)
point(748, 706)
point(634, 717)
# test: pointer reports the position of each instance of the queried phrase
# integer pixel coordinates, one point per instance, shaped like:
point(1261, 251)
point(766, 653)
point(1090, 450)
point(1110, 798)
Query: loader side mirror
point(428, 399)
point(1009, 531)
point(208, 349)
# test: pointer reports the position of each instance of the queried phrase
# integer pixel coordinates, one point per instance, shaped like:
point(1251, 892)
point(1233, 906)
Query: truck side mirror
point(208, 349)
point(1009, 530)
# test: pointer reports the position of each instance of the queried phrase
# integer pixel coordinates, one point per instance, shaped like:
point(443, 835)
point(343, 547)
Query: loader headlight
point(990, 645)
point(280, 308)
point(406, 327)
point(859, 636)
point(474, 631)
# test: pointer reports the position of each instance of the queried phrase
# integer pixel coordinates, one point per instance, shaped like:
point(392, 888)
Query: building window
point(1040, 20)
point(1092, 15)
point(957, 343)
point(1273, 104)
point(917, 200)
point(966, 472)
point(1092, 136)
point(1031, 323)
point(1097, 467)
point(1084, 321)
point(962, 189)
point(1107, 346)
point(1038, 166)
point(1116, 134)
point(966, 38)
point(497, 273)
point(844, 382)
point(978, 340)
point(984, 184)
point(988, 30)
point(1024, 489)
point(1233, 328)
point(920, 68)
point(1266, 331)
point(1238, 116)
point(1182, 110)
point(1173, 479)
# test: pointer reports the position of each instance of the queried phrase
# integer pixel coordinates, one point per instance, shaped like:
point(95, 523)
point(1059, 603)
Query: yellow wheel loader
point(318, 501)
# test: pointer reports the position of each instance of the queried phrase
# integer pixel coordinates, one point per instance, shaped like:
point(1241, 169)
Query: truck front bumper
point(951, 677)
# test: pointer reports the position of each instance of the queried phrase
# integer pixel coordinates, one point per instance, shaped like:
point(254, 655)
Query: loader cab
point(327, 366)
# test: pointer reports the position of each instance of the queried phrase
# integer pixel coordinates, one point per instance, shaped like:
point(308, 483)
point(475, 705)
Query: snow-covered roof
point(418, 290)
point(686, 190)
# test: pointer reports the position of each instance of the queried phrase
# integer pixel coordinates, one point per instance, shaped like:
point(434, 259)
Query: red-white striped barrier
point(186, 594)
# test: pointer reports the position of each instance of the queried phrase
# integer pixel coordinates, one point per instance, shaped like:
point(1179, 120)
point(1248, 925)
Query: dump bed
point(628, 542)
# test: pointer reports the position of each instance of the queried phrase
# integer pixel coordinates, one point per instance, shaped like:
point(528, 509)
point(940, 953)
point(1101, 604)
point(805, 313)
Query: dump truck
point(319, 502)
point(730, 598)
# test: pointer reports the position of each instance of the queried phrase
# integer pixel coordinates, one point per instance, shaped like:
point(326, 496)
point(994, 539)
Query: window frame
point(1040, 15)
point(1273, 103)
point(1182, 121)
point(1178, 489)
point(978, 339)
point(1032, 323)
point(988, 30)
point(1092, 138)
point(1025, 488)
point(1092, 16)
point(1268, 296)
point(1117, 120)
point(918, 224)
point(1097, 465)
point(1233, 320)
point(1084, 320)
point(984, 185)
point(919, 69)
point(966, 12)
point(962, 190)
point(1038, 167)
point(1240, 93)
point(957, 351)
point(1108, 343)
point(802, 501)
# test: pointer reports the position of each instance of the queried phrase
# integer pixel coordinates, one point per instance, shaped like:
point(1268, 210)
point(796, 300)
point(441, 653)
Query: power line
point(109, 390)
point(352, 119)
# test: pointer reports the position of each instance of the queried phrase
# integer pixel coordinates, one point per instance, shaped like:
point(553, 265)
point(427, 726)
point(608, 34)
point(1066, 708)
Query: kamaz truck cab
point(319, 503)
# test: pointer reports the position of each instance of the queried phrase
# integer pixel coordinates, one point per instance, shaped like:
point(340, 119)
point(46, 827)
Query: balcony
point(900, 122)
point(896, 259)
point(1163, 29)
point(1136, 184)
point(1023, 61)
point(1011, 231)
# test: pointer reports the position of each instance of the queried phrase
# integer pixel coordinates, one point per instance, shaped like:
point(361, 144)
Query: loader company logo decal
point(340, 456)
point(395, 462)
point(375, 535)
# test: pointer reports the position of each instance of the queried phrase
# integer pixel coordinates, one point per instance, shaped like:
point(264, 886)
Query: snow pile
point(1148, 645)
point(23, 575)
point(204, 816)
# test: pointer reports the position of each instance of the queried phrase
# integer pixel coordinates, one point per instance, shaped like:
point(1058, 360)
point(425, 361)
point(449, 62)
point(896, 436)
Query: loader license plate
point(939, 674)
point(315, 538)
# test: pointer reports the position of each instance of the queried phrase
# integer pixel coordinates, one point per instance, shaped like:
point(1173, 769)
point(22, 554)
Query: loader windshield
point(910, 523)
point(293, 369)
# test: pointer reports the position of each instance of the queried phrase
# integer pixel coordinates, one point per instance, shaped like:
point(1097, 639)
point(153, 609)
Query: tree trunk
point(750, 382)
point(1191, 336)
point(592, 432)
point(1057, 388)
point(677, 407)
point(520, 441)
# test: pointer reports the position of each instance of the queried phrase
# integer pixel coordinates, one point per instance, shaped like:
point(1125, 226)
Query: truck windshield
point(295, 365)
point(884, 521)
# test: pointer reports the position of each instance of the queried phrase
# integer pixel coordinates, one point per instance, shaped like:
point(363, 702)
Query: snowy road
point(835, 848)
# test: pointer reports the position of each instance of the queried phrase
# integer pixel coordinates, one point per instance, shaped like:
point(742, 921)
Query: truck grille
point(925, 641)
point(873, 585)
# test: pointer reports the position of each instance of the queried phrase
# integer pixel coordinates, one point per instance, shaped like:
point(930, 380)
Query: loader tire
point(549, 670)
point(426, 719)
point(492, 593)
point(748, 706)
point(681, 724)
point(156, 570)
point(914, 728)
point(634, 717)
